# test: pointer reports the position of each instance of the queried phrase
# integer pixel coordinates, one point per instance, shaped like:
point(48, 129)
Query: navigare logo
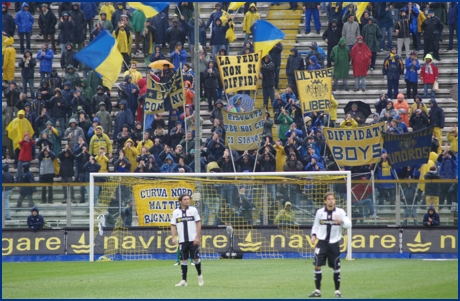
point(249, 246)
point(81, 248)
point(419, 247)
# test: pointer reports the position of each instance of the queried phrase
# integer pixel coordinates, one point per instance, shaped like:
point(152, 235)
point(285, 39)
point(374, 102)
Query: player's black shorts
point(189, 250)
point(325, 250)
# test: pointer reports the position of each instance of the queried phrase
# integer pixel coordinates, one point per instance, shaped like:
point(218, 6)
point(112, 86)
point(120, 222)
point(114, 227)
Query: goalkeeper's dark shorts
point(189, 250)
point(325, 250)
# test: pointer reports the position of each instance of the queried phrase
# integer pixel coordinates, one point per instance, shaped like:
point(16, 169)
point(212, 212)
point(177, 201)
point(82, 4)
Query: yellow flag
point(235, 5)
point(360, 11)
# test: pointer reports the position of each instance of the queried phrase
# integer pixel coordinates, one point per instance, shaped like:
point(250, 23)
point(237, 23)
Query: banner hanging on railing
point(355, 146)
point(408, 149)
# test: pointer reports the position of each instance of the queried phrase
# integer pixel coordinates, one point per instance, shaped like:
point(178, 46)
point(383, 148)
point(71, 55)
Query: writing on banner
point(315, 89)
point(156, 95)
point(243, 130)
point(408, 149)
point(355, 146)
point(239, 71)
point(176, 96)
point(155, 206)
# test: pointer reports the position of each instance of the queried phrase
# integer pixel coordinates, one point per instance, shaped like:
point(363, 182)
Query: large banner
point(355, 146)
point(239, 72)
point(164, 97)
point(155, 206)
point(315, 89)
point(243, 130)
point(155, 240)
point(408, 149)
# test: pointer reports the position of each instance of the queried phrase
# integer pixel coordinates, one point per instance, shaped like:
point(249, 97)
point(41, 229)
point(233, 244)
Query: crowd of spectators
point(71, 103)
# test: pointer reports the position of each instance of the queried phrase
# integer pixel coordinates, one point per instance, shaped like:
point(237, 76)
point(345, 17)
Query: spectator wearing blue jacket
point(313, 64)
point(400, 124)
point(190, 29)
point(431, 218)
point(90, 11)
point(35, 221)
point(314, 164)
point(413, 12)
point(386, 25)
point(288, 95)
point(293, 129)
point(45, 57)
point(412, 66)
point(448, 170)
point(24, 20)
point(218, 40)
point(452, 21)
point(178, 56)
point(169, 165)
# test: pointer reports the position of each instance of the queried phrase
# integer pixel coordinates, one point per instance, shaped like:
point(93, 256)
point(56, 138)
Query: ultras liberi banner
point(315, 89)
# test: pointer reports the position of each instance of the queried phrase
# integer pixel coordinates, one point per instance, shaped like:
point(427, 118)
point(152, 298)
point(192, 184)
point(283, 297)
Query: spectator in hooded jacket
point(448, 170)
point(403, 108)
point(341, 57)
point(27, 65)
point(124, 43)
point(432, 28)
point(361, 60)
point(67, 158)
point(372, 36)
point(275, 54)
point(174, 35)
point(267, 73)
point(35, 221)
point(432, 189)
point(46, 172)
point(429, 75)
point(411, 77)
point(9, 59)
point(78, 17)
point(8, 24)
point(294, 62)
point(437, 119)
point(45, 56)
point(90, 11)
point(24, 21)
point(431, 218)
point(25, 191)
point(418, 120)
point(452, 21)
point(66, 28)
point(47, 22)
point(332, 36)
point(250, 18)
point(386, 25)
point(403, 31)
point(178, 56)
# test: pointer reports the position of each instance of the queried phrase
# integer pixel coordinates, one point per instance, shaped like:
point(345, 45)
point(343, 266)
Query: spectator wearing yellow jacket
point(147, 143)
point(452, 136)
point(9, 59)
point(348, 122)
point(414, 106)
point(102, 159)
point(280, 157)
point(108, 9)
point(124, 43)
point(100, 139)
point(135, 75)
point(333, 105)
point(131, 153)
point(249, 18)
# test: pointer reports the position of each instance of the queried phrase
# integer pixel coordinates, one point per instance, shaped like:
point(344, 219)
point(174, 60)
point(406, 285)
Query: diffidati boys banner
point(239, 72)
point(355, 146)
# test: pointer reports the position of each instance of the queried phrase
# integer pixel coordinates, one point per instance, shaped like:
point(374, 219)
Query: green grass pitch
point(269, 279)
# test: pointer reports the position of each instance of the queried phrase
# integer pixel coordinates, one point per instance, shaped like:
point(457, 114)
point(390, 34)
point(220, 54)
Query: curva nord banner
point(155, 240)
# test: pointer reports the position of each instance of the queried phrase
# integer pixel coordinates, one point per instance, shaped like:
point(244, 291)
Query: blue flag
point(408, 149)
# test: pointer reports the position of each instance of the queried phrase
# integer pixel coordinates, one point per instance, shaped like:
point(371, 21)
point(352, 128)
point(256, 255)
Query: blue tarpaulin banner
point(408, 149)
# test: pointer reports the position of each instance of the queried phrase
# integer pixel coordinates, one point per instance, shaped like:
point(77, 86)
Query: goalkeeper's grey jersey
point(325, 228)
point(185, 222)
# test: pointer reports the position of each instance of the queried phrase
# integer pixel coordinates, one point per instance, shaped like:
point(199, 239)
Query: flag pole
point(196, 17)
point(178, 10)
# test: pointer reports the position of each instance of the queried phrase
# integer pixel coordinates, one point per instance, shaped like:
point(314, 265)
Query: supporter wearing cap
point(175, 34)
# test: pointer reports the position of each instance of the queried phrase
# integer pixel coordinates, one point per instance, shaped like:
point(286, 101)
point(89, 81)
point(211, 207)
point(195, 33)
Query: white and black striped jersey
point(185, 222)
point(325, 228)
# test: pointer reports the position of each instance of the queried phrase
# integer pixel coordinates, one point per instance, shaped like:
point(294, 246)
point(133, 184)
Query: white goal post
point(131, 180)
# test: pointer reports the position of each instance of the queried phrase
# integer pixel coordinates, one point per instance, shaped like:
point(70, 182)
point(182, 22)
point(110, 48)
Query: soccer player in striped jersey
point(327, 229)
point(186, 223)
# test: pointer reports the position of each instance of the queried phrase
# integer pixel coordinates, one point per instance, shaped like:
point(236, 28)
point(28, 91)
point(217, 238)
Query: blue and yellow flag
point(150, 9)
point(103, 56)
point(266, 35)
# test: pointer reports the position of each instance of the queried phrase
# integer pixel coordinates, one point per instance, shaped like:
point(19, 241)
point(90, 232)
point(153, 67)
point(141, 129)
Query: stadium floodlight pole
point(196, 65)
